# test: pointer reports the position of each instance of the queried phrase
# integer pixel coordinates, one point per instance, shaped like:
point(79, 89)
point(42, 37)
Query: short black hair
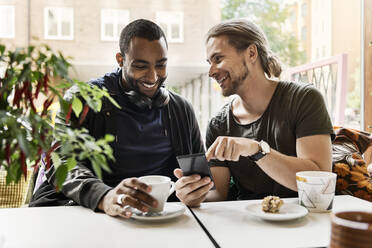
point(140, 28)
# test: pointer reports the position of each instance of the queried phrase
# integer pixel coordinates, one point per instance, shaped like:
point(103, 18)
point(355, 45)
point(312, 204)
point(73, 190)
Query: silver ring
point(119, 199)
point(127, 208)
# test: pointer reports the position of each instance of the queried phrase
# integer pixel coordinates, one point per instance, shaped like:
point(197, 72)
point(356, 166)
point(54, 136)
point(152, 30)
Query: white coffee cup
point(162, 188)
point(316, 190)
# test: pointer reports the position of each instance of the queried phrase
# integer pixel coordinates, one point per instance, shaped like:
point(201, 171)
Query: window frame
point(115, 24)
point(304, 9)
point(59, 35)
point(304, 33)
point(10, 8)
point(169, 23)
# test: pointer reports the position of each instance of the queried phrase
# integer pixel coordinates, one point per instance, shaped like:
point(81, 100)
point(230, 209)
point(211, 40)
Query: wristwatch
point(263, 149)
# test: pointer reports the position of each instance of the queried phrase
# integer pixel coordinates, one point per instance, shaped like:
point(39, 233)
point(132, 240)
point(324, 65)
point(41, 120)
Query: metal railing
point(329, 76)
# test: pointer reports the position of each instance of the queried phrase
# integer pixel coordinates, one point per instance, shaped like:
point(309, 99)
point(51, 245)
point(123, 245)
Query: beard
point(237, 82)
point(130, 83)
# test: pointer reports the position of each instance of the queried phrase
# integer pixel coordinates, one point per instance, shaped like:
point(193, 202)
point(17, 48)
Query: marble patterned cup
point(316, 190)
point(162, 188)
point(351, 229)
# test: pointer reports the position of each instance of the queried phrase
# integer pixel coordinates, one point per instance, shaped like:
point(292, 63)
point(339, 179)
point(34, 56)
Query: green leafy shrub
point(27, 131)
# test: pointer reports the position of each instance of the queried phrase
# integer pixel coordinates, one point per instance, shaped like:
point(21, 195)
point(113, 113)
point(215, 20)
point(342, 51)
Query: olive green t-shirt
point(295, 110)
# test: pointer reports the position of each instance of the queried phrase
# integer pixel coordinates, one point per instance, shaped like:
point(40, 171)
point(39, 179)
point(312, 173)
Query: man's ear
point(251, 53)
point(120, 59)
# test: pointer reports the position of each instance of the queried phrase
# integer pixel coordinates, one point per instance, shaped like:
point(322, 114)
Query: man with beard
point(152, 127)
point(267, 133)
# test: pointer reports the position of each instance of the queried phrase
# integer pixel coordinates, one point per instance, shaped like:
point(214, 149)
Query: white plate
point(170, 211)
point(288, 211)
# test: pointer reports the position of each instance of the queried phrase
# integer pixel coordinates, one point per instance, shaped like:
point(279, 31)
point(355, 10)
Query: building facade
point(329, 27)
point(88, 31)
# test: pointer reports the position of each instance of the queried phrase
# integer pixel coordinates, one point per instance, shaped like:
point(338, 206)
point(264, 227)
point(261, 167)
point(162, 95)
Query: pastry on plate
point(271, 204)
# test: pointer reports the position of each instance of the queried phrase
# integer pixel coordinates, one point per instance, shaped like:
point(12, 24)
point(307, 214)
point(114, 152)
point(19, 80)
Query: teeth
point(149, 85)
point(222, 79)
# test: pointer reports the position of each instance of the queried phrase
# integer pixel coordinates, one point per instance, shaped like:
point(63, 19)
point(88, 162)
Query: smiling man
point(152, 127)
point(268, 132)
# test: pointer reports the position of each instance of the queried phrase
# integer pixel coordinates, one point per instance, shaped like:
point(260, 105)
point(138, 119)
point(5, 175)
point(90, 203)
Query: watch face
point(265, 147)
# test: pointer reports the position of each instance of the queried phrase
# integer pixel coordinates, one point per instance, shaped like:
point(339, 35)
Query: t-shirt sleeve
point(312, 116)
point(213, 131)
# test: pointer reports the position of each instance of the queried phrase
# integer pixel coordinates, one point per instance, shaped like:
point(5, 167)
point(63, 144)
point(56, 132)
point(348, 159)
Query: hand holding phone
point(195, 164)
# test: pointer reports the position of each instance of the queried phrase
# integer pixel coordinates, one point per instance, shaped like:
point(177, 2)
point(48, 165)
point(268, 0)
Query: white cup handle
point(171, 190)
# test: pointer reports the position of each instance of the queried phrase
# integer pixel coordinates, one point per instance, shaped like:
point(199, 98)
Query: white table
point(231, 226)
point(70, 227)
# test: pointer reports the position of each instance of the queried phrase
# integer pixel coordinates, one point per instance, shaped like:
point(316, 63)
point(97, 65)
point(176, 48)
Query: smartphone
point(195, 164)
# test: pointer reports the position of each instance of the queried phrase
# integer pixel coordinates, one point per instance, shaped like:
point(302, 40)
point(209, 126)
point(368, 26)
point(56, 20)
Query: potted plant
point(32, 79)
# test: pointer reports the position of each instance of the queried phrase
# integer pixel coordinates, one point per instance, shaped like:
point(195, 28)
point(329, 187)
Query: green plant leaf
point(102, 162)
point(112, 100)
point(31, 49)
point(92, 145)
point(56, 160)
point(61, 174)
point(14, 173)
point(77, 106)
point(71, 163)
point(2, 49)
point(63, 85)
point(109, 138)
point(23, 143)
point(29, 131)
point(97, 169)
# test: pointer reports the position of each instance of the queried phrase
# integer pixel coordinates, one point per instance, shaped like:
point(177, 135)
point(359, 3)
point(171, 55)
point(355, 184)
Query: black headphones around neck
point(143, 102)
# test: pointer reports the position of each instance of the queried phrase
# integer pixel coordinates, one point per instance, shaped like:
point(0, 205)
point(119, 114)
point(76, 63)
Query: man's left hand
point(231, 148)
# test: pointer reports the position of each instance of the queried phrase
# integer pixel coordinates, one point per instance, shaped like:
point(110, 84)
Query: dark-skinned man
point(152, 127)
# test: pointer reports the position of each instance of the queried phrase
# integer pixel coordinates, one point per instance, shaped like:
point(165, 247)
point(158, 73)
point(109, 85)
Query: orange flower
point(363, 195)
point(356, 156)
point(358, 159)
point(362, 181)
point(341, 184)
point(369, 187)
point(357, 176)
point(361, 169)
point(342, 169)
point(365, 183)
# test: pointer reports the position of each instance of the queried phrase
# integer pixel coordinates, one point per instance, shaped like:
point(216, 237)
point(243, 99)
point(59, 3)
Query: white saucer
point(171, 210)
point(288, 211)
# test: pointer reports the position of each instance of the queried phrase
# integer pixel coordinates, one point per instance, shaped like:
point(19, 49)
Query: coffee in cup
point(351, 229)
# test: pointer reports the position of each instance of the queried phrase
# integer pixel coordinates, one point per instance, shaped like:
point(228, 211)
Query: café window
point(172, 25)
point(304, 10)
point(112, 22)
point(59, 23)
point(7, 21)
point(304, 33)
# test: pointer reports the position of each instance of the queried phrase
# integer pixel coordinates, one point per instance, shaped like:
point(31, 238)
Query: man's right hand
point(135, 194)
point(192, 190)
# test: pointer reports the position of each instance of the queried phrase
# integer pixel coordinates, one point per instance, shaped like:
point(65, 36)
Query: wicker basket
point(14, 195)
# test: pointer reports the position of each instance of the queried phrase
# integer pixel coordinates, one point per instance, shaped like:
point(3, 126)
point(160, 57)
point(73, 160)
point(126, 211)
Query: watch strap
point(260, 154)
point(257, 156)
